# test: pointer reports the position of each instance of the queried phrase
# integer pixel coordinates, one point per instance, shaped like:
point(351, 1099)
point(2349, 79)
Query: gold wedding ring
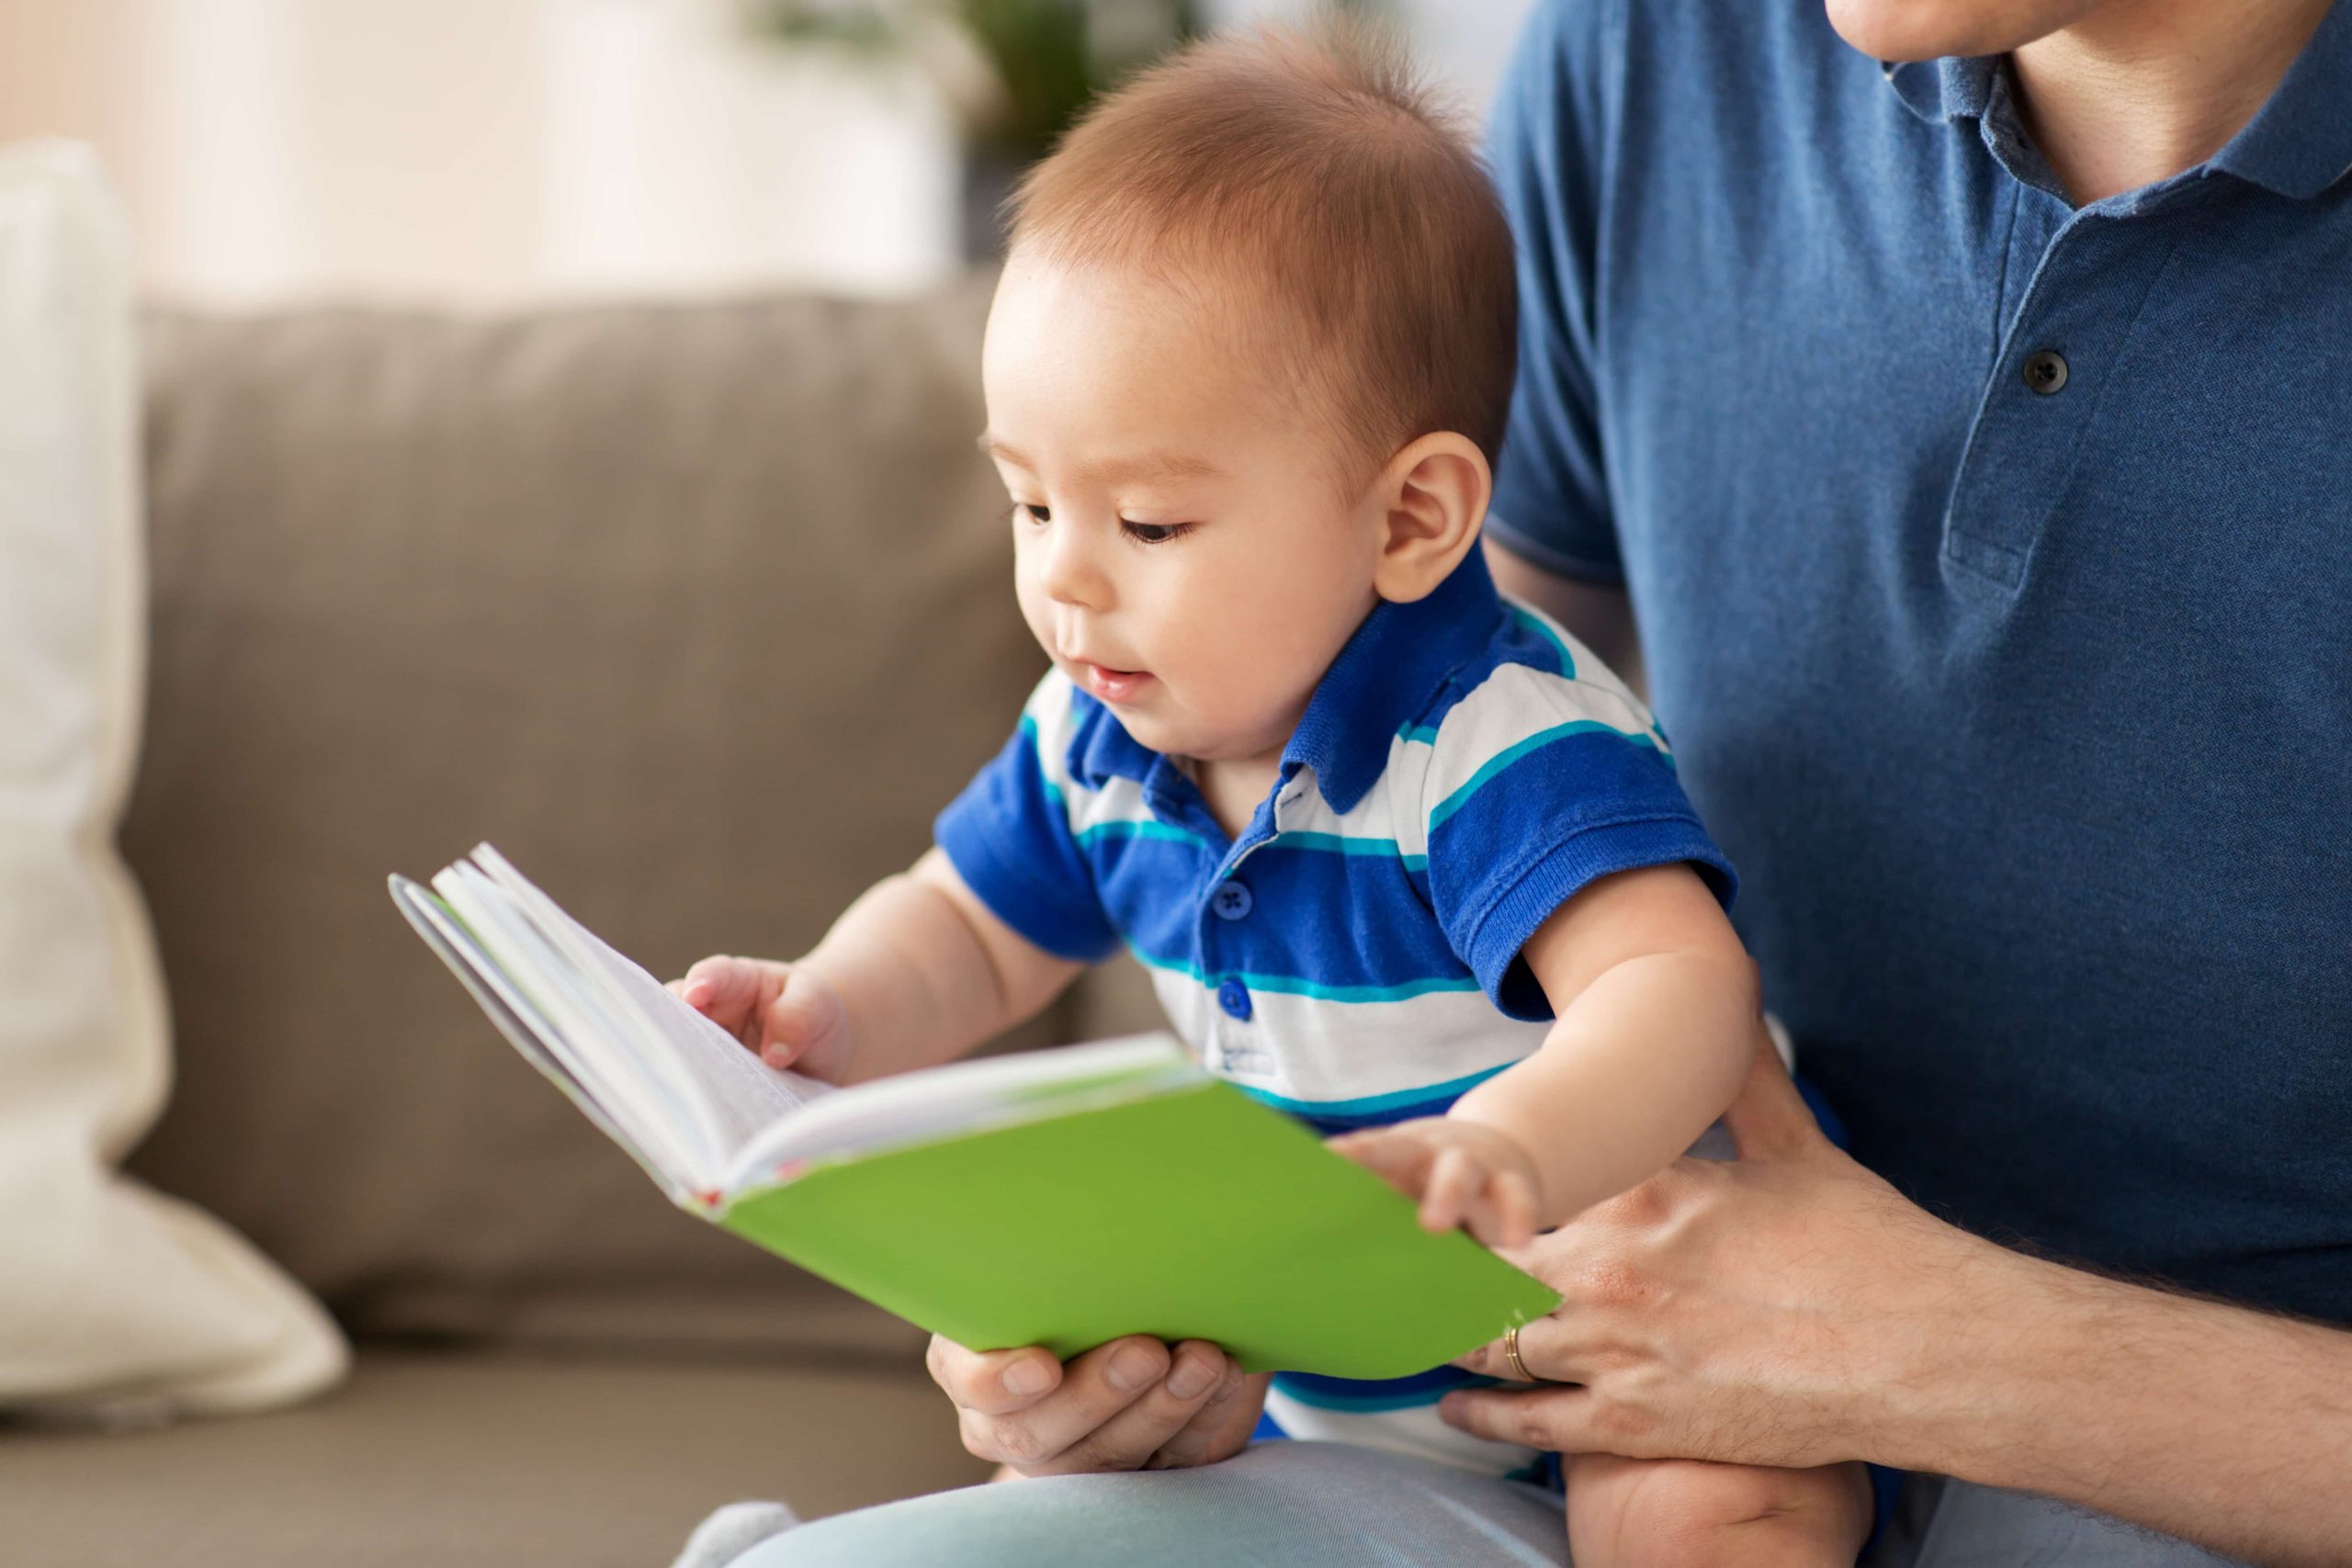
point(1510, 1353)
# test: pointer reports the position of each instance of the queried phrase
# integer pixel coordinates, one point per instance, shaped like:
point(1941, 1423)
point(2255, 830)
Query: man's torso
point(2024, 711)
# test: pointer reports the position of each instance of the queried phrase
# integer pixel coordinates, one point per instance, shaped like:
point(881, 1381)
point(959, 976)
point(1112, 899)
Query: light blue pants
point(1302, 1504)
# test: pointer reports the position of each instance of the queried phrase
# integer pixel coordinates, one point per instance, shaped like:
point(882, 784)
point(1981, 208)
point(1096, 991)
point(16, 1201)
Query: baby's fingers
point(1402, 1162)
point(804, 1012)
point(1457, 1178)
point(1504, 1215)
point(725, 990)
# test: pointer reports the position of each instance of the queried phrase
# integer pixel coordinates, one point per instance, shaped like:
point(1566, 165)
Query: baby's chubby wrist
point(1493, 1118)
point(1501, 1147)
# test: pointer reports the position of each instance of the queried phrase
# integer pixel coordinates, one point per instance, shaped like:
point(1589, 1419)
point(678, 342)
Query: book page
point(734, 1093)
point(526, 969)
point(536, 1036)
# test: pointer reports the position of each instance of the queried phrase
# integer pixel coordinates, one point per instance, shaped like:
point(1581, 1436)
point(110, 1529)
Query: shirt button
point(2045, 370)
point(1234, 998)
point(1232, 901)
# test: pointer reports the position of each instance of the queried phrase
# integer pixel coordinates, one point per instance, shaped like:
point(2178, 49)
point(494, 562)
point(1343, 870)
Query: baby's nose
point(1071, 575)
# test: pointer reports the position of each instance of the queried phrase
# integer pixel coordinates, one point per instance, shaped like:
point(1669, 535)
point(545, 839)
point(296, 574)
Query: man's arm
point(2221, 1425)
point(1791, 1308)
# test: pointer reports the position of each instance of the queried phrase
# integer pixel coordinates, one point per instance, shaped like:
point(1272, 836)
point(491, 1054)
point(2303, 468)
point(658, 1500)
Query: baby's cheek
point(1253, 679)
point(1034, 611)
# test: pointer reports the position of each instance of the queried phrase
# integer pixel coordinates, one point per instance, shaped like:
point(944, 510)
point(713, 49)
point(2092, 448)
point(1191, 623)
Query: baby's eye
point(1035, 514)
point(1154, 533)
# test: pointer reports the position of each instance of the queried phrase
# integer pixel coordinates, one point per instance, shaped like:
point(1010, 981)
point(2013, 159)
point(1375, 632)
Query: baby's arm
point(916, 972)
point(1656, 1020)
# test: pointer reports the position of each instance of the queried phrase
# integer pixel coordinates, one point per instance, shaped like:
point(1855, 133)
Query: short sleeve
point(1009, 837)
point(1538, 785)
point(1546, 148)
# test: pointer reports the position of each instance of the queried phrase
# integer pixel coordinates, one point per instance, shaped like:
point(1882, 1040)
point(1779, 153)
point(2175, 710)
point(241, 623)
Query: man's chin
point(1896, 31)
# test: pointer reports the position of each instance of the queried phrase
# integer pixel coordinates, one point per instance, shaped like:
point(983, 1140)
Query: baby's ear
point(1433, 495)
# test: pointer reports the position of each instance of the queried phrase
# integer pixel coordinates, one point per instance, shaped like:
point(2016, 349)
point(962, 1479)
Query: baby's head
point(1247, 374)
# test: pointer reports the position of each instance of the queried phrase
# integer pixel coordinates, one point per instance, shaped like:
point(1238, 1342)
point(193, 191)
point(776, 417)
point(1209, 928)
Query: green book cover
point(1192, 1214)
point(1060, 1198)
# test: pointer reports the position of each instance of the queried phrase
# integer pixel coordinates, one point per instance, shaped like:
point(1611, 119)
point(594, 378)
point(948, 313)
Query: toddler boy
point(1403, 859)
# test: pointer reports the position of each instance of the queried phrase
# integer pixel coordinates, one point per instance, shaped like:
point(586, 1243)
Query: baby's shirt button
point(1234, 998)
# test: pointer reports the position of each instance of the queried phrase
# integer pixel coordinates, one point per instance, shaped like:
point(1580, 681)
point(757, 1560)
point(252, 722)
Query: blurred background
point(483, 153)
point(547, 421)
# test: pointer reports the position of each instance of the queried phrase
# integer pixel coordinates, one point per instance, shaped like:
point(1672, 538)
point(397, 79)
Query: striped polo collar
point(1386, 675)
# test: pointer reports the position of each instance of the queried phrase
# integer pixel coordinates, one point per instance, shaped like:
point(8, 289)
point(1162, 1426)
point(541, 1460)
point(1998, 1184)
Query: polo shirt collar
point(1943, 90)
point(2298, 144)
point(1385, 676)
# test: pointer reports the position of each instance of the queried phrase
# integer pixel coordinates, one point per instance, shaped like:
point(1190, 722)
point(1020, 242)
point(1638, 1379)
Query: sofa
point(699, 612)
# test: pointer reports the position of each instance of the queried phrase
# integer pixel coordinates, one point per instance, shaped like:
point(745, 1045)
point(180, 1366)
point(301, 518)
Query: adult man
point(1973, 437)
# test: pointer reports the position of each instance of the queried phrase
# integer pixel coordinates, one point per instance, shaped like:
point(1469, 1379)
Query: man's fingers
point(1094, 1388)
point(1206, 1428)
point(1165, 1427)
point(1557, 1420)
point(993, 1382)
point(1134, 1437)
point(1550, 1347)
point(1769, 1117)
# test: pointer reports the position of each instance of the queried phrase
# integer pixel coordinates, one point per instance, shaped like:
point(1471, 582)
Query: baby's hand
point(1464, 1173)
point(791, 1016)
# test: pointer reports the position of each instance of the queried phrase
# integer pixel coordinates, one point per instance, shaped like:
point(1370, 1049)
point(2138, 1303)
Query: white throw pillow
point(115, 1302)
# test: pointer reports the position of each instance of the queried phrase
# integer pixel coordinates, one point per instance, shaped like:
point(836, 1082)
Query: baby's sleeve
point(1537, 785)
point(1009, 836)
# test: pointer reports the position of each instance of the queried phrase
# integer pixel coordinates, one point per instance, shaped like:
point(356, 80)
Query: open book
point(1060, 1198)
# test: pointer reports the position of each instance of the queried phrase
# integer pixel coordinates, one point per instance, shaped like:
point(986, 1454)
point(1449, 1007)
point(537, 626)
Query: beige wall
point(480, 150)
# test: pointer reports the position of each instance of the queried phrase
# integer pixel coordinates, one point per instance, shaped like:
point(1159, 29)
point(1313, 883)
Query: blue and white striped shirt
point(1462, 770)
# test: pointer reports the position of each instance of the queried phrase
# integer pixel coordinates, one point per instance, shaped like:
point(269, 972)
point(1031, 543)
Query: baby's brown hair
point(1313, 167)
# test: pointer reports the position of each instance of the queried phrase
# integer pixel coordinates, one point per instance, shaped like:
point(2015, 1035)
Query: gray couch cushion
point(698, 612)
point(463, 1460)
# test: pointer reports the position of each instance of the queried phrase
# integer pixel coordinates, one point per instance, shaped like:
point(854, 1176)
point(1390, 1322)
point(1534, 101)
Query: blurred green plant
point(1018, 72)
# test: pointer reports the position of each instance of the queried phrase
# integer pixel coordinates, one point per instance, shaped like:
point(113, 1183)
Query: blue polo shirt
point(1994, 563)
point(1352, 956)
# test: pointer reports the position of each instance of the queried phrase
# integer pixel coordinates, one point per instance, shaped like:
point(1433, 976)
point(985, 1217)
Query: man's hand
point(1461, 1172)
point(1130, 1405)
point(787, 1013)
point(1762, 1311)
point(1790, 1308)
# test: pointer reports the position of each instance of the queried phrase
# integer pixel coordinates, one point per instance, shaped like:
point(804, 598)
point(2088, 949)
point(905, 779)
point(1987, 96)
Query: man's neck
point(2140, 90)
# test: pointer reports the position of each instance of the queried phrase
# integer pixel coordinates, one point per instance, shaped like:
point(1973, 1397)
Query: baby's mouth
point(1112, 685)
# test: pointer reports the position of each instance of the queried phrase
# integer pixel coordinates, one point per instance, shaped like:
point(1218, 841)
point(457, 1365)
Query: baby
point(1403, 858)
